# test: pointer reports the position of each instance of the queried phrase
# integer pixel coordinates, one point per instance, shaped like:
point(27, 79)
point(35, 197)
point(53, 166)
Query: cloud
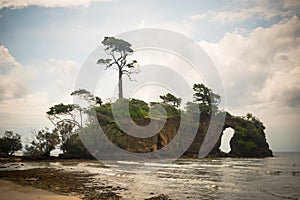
point(230, 17)
point(28, 91)
point(46, 3)
point(262, 67)
point(13, 76)
point(65, 74)
point(242, 11)
point(7, 61)
point(283, 87)
point(24, 114)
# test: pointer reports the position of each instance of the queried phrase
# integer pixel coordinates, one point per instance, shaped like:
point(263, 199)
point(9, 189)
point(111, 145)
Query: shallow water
point(218, 178)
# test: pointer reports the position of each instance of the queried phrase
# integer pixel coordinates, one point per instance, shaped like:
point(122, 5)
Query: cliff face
point(248, 141)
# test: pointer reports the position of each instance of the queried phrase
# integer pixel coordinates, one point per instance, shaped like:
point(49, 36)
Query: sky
point(254, 45)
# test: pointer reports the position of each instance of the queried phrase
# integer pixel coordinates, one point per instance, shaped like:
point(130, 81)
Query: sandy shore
point(12, 191)
point(75, 183)
point(57, 184)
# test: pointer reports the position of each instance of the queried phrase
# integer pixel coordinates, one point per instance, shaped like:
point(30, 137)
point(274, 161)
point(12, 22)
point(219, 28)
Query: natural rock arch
point(248, 139)
point(227, 135)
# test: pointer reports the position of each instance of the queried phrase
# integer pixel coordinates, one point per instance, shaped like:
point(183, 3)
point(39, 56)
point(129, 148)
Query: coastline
point(59, 182)
point(13, 191)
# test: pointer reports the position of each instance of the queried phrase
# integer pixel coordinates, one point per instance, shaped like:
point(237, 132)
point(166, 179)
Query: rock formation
point(248, 140)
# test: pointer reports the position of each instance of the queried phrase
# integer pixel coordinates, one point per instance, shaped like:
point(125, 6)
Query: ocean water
point(214, 178)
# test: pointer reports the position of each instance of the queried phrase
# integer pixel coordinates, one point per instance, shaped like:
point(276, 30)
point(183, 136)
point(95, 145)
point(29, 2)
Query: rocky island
point(249, 139)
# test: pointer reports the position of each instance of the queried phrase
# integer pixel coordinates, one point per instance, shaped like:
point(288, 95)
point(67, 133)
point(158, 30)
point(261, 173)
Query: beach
point(13, 191)
point(58, 182)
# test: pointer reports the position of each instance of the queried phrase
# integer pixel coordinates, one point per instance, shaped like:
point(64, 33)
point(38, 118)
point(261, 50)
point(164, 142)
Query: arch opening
point(225, 140)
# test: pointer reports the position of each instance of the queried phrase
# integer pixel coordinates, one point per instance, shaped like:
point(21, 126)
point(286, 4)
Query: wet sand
point(66, 183)
point(58, 184)
point(12, 191)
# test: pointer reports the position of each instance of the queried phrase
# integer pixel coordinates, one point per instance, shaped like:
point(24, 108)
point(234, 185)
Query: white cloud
point(47, 3)
point(230, 17)
point(13, 76)
point(6, 59)
point(250, 63)
point(283, 87)
point(24, 114)
point(65, 67)
point(26, 92)
point(242, 11)
point(65, 74)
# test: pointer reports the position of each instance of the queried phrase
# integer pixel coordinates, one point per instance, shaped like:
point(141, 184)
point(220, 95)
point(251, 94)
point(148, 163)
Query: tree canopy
point(10, 143)
point(171, 99)
point(205, 95)
point(43, 143)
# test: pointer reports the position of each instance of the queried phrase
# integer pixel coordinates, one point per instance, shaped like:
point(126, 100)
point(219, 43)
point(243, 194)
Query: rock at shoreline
point(249, 139)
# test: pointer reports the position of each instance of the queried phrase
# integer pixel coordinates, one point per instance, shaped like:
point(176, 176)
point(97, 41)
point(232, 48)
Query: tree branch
point(128, 75)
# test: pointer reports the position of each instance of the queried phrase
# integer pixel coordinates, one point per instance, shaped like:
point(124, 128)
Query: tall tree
point(206, 96)
point(10, 143)
point(119, 50)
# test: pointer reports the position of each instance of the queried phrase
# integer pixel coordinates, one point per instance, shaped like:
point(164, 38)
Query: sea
point(276, 177)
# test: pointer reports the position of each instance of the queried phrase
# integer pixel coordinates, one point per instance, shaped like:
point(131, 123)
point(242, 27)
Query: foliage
point(73, 113)
point(105, 110)
point(10, 143)
point(192, 107)
point(204, 109)
point(206, 96)
point(119, 50)
point(83, 93)
point(65, 130)
point(251, 118)
point(73, 147)
point(247, 147)
point(98, 101)
point(249, 138)
point(171, 99)
point(63, 113)
point(43, 143)
point(159, 110)
point(138, 109)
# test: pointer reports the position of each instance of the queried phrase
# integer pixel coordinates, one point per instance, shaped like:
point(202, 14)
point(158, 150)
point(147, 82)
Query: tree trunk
point(120, 86)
